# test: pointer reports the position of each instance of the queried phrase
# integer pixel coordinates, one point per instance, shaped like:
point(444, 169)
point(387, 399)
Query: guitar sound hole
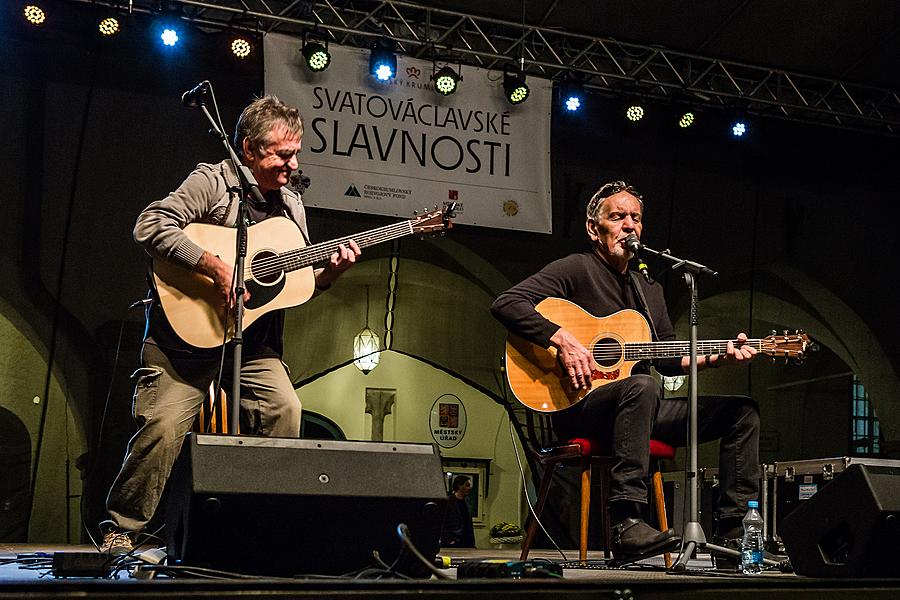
point(265, 274)
point(607, 352)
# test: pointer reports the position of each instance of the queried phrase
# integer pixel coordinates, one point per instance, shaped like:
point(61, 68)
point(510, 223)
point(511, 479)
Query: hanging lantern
point(366, 345)
point(366, 350)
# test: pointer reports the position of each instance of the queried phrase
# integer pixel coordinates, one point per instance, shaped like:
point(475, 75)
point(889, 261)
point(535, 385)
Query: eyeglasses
point(608, 189)
point(614, 187)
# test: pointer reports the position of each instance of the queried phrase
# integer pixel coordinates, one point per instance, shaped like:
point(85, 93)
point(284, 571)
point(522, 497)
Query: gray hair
point(258, 120)
point(606, 190)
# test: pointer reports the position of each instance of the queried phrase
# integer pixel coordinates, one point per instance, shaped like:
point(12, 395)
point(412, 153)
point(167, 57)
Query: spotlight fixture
point(169, 36)
point(109, 27)
point(34, 14)
point(634, 113)
point(686, 120)
point(446, 80)
point(241, 47)
point(571, 95)
point(316, 56)
point(514, 87)
point(383, 61)
point(738, 128)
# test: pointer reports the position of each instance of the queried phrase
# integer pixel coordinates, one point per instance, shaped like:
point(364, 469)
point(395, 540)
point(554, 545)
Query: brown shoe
point(117, 541)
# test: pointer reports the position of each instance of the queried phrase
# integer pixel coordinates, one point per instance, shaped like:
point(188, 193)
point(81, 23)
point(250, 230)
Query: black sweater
point(594, 286)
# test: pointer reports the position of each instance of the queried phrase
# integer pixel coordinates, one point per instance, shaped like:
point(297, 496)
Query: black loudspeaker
point(276, 506)
point(849, 528)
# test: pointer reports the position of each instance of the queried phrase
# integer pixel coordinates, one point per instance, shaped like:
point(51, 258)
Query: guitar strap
point(636, 286)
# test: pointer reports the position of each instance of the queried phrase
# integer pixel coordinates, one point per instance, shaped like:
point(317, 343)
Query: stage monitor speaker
point(849, 528)
point(276, 506)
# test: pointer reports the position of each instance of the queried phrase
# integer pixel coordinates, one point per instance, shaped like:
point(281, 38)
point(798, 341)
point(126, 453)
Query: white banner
point(396, 147)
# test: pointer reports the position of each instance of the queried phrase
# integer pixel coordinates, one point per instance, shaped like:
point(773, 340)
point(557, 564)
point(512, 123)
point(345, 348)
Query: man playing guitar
point(629, 411)
point(175, 375)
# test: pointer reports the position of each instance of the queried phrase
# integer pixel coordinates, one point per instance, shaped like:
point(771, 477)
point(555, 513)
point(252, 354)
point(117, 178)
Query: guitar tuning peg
point(786, 332)
point(773, 332)
point(415, 212)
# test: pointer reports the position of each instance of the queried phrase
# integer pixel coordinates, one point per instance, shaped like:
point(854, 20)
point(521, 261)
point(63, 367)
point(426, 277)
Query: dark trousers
point(628, 413)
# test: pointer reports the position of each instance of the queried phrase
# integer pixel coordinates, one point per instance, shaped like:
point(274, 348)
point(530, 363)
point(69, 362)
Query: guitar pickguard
point(260, 295)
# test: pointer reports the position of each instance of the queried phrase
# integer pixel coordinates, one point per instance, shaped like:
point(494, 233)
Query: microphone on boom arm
point(195, 96)
point(634, 244)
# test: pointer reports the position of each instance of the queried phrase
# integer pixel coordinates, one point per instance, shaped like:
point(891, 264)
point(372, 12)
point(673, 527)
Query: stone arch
point(827, 319)
point(23, 369)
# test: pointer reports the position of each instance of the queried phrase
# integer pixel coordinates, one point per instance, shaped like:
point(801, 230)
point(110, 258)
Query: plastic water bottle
point(752, 543)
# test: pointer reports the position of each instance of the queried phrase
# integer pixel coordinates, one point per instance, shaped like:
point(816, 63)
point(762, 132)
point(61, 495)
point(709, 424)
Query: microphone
point(196, 96)
point(634, 244)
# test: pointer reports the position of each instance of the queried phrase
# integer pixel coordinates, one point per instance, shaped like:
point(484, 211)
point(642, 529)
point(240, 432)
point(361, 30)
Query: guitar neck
point(304, 257)
point(650, 350)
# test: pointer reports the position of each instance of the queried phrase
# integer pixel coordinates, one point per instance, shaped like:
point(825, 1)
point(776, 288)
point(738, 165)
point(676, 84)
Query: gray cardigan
point(208, 195)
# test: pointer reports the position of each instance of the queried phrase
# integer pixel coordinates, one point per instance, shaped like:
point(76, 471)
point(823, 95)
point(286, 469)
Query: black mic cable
point(634, 244)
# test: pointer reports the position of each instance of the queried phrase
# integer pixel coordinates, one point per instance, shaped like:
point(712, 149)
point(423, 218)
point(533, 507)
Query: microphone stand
point(248, 186)
point(693, 537)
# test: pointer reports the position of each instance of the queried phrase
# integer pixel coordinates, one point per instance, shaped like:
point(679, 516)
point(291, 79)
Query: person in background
point(457, 530)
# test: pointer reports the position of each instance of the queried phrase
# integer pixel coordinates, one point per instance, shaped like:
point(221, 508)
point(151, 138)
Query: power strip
point(508, 569)
point(82, 564)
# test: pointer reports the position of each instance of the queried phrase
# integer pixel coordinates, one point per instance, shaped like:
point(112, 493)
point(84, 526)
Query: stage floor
point(26, 572)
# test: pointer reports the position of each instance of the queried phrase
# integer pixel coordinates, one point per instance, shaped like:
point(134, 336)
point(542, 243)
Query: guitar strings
point(647, 350)
point(303, 257)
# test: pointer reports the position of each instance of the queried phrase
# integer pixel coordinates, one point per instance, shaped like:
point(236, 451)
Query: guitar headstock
point(435, 221)
point(790, 346)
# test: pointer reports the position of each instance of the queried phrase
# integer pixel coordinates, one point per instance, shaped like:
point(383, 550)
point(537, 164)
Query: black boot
point(633, 537)
point(729, 532)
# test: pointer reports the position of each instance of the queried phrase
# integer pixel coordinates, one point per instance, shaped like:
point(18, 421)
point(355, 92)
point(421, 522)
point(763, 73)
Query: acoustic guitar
point(278, 272)
point(617, 343)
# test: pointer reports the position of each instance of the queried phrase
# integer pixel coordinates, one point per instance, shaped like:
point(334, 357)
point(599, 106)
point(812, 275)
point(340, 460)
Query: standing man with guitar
point(174, 378)
point(629, 411)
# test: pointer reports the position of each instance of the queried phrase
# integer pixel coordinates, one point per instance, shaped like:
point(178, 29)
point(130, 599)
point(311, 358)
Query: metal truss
point(604, 65)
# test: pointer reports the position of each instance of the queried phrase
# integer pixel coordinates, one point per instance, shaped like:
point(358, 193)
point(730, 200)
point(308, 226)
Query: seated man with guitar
point(626, 405)
point(179, 360)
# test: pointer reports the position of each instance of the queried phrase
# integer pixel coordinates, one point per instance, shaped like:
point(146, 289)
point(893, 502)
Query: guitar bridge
point(607, 375)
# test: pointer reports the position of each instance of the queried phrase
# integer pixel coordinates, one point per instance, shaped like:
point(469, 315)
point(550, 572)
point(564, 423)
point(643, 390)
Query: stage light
point(169, 36)
point(571, 95)
point(241, 47)
point(34, 14)
point(383, 61)
point(446, 80)
point(515, 88)
point(109, 27)
point(738, 128)
point(316, 56)
point(686, 120)
point(634, 113)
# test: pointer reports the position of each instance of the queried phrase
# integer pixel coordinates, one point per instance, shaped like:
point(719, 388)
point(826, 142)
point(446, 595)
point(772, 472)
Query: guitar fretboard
point(304, 257)
point(606, 351)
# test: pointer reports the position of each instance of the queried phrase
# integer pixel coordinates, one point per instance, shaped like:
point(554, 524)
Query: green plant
point(505, 529)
